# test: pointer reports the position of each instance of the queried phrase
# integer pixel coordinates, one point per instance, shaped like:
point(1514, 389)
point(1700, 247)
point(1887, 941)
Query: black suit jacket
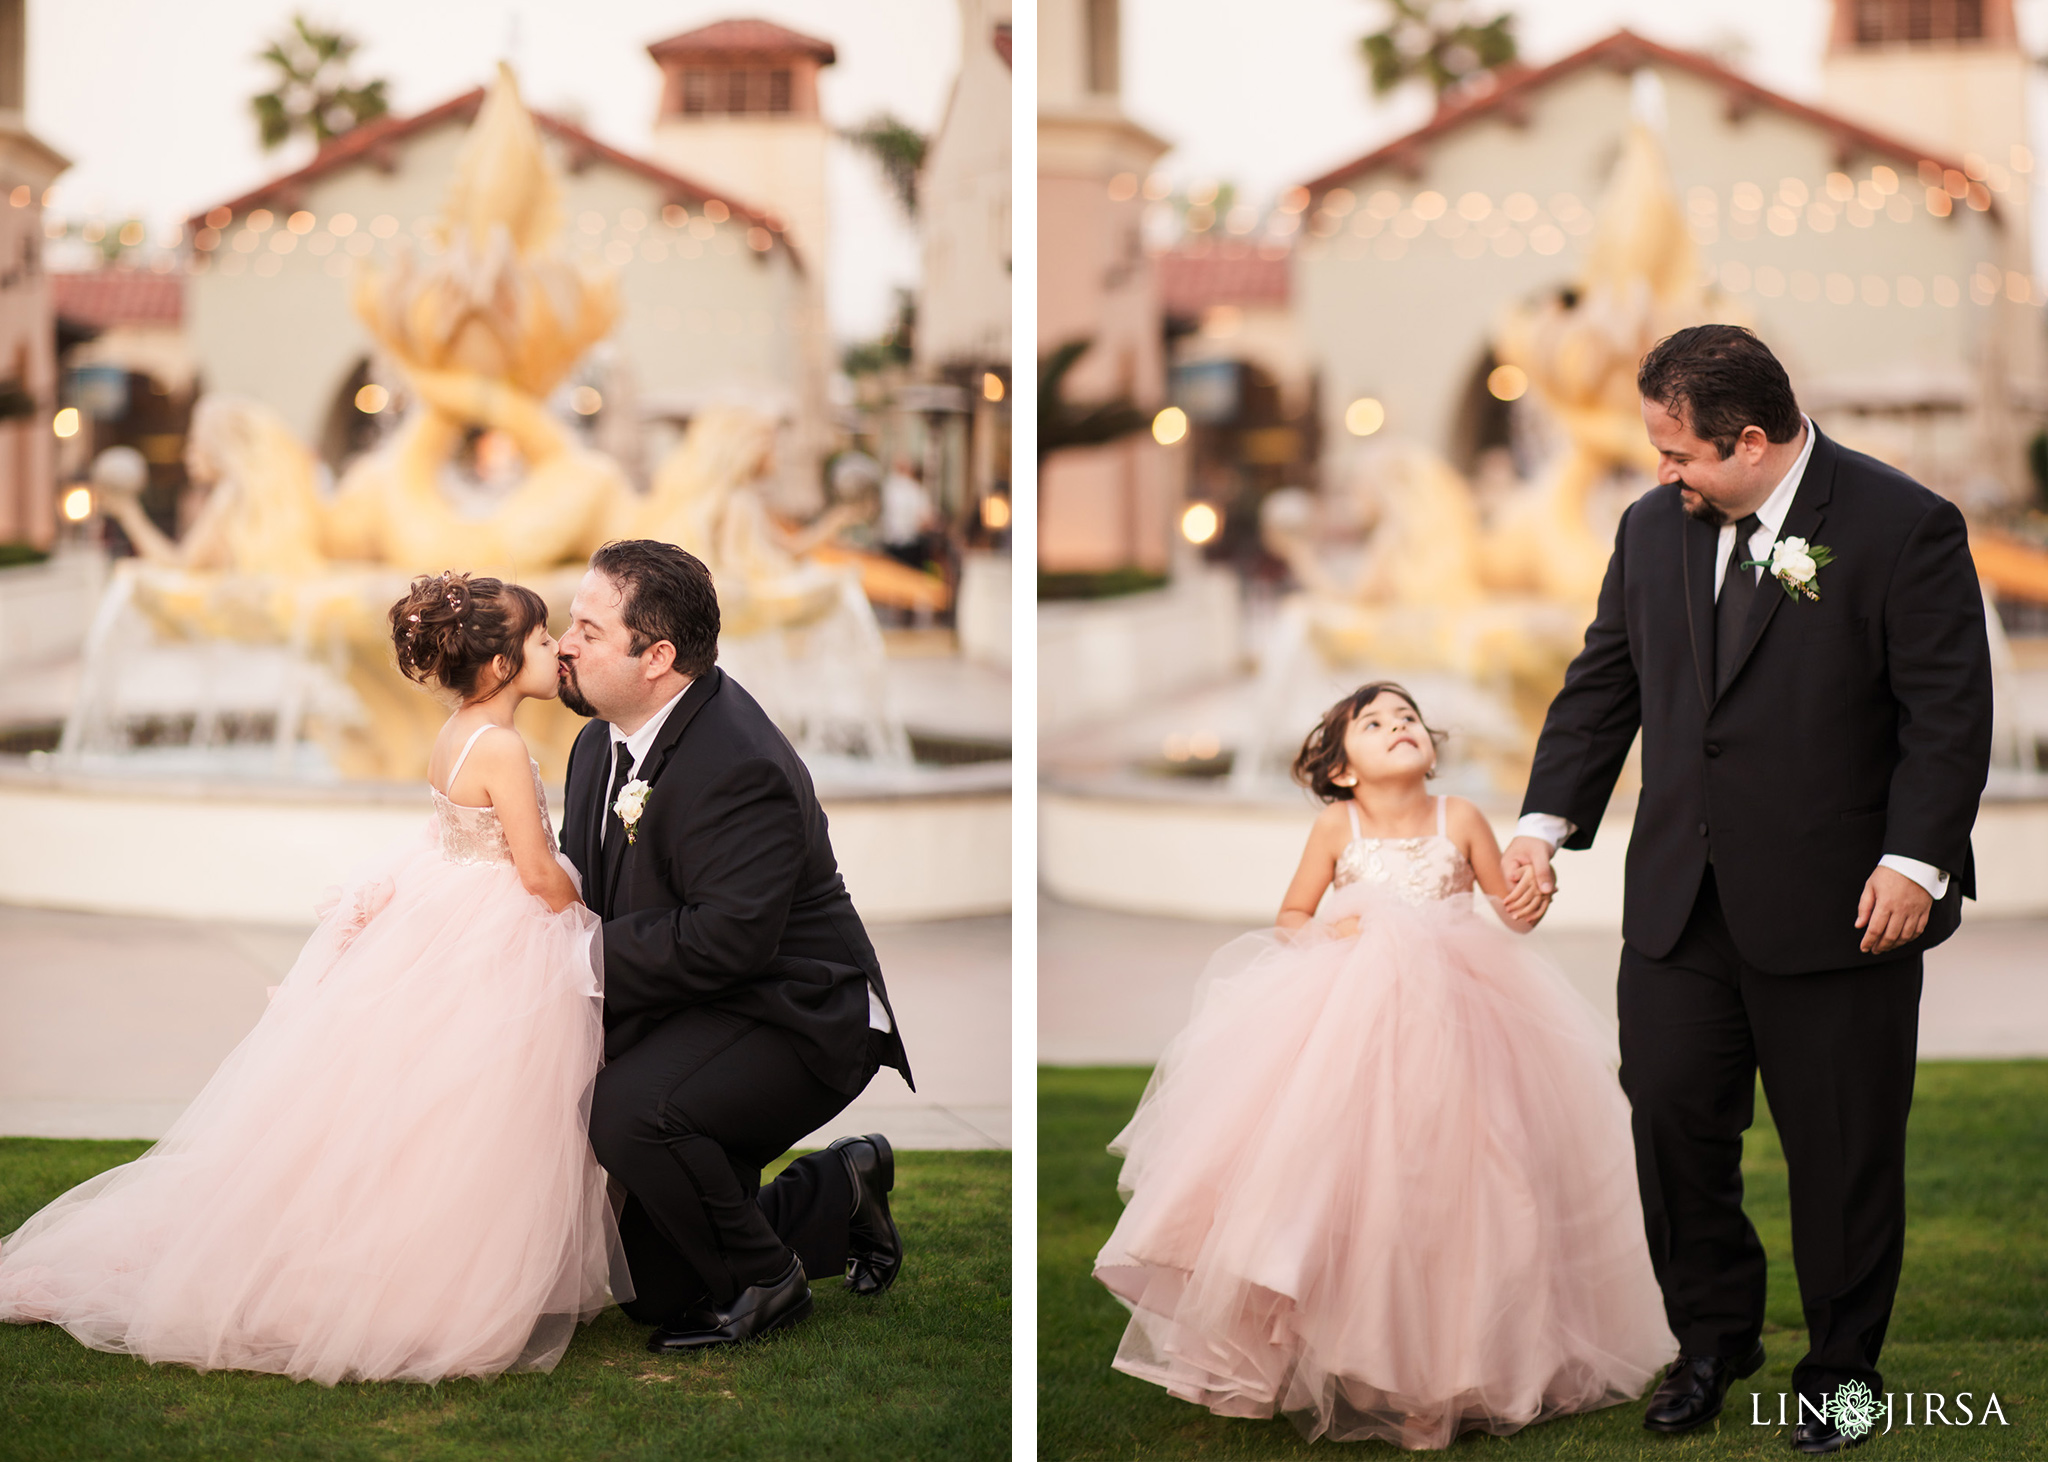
point(1851, 728)
point(728, 894)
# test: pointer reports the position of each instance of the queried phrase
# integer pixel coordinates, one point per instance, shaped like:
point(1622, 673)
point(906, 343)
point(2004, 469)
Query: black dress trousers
point(1836, 1051)
point(685, 1120)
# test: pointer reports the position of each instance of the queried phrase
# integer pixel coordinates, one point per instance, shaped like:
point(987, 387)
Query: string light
point(1507, 382)
point(1169, 426)
point(995, 512)
point(66, 422)
point(991, 386)
point(1364, 416)
point(1199, 523)
point(77, 504)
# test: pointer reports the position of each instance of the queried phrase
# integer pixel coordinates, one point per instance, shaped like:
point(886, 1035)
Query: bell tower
point(1947, 74)
point(1951, 76)
point(739, 111)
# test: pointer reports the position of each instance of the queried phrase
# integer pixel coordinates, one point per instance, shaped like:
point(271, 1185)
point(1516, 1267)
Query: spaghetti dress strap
point(1352, 809)
point(456, 770)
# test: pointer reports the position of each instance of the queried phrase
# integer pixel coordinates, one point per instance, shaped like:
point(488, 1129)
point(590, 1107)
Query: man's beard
point(572, 697)
point(1705, 512)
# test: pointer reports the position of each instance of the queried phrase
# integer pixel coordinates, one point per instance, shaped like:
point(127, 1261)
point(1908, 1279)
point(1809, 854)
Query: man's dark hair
point(1719, 379)
point(665, 594)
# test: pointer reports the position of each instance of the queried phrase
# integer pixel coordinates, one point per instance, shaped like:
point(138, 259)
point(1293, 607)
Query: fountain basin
point(1197, 850)
point(913, 843)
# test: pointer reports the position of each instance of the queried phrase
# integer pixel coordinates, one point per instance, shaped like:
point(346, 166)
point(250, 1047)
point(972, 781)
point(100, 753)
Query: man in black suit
point(743, 1004)
point(1797, 631)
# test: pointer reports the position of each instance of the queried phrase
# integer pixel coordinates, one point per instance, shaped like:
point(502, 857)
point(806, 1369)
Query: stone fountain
point(1477, 611)
point(287, 587)
point(242, 731)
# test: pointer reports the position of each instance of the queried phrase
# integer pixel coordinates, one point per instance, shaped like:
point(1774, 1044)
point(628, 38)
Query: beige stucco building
point(28, 366)
point(739, 112)
point(1882, 270)
point(963, 298)
point(715, 304)
point(1104, 506)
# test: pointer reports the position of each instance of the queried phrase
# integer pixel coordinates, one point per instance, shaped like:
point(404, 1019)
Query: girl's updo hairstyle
point(1322, 760)
point(448, 629)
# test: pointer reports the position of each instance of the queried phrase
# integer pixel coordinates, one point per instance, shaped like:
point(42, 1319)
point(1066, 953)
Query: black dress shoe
point(1820, 1438)
point(1691, 1391)
point(874, 1249)
point(754, 1312)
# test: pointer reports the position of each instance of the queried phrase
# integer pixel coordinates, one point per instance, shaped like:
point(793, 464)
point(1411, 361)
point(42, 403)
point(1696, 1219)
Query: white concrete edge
point(905, 859)
point(1231, 861)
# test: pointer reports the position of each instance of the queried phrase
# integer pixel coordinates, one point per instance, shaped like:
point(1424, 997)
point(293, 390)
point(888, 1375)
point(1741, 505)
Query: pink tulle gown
point(390, 1177)
point(1385, 1184)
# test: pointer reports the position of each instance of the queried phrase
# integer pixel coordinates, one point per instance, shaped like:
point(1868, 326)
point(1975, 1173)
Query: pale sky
point(1270, 94)
point(150, 99)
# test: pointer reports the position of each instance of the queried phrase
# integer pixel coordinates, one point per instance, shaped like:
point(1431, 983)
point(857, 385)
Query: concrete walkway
point(1114, 988)
point(110, 1025)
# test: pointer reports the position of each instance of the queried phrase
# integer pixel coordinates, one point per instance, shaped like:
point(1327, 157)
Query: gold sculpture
point(1502, 600)
point(1641, 282)
point(483, 328)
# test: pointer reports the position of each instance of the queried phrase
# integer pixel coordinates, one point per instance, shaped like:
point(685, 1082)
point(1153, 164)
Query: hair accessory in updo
point(450, 627)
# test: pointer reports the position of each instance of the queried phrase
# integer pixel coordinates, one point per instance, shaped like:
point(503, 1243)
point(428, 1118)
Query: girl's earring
point(1347, 780)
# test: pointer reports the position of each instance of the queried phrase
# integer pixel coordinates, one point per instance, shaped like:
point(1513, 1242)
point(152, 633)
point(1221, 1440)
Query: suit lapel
point(1802, 520)
point(1700, 540)
point(583, 792)
point(649, 770)
point(613, 838)
point(701, 690)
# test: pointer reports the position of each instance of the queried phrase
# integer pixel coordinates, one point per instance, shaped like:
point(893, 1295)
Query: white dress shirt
point(636, 747)
point(1771, 517)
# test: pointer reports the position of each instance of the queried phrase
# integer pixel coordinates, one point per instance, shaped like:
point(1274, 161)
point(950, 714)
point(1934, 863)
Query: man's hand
point(1527, 896)
point(1893, 911)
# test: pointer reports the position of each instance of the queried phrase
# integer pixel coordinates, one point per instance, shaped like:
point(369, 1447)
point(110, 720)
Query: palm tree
point(898, 149)
point(315, 92)
point(1436, 41)
point(1062, 423)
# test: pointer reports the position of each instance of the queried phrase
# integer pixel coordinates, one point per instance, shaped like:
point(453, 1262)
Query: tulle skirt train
point(1385, 1185)
point(390, 1178)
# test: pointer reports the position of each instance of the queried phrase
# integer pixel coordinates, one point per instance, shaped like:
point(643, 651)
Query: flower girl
point(390, 1178)
point(1383, 1181)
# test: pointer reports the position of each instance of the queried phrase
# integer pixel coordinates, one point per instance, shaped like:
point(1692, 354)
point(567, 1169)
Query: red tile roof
point(742, 37)
point(1624, 51)
point(374, 143)
point(1191, 280)
point(108, 297)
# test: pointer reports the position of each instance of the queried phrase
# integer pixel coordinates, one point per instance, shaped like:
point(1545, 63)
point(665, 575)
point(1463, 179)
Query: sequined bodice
point(1420, 870)
point(477, 834)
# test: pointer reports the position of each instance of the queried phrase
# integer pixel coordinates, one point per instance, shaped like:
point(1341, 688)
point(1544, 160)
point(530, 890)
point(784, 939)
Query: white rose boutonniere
point(632, 801)
point(1796, 565)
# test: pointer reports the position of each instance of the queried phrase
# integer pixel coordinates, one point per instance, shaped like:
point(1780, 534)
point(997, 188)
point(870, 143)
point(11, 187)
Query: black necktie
point(622, 773)
point(1731, 610)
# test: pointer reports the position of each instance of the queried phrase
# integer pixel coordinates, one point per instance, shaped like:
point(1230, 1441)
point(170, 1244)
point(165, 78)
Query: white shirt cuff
point(878, 1015)
point(1546, 827)
point(1925, 874)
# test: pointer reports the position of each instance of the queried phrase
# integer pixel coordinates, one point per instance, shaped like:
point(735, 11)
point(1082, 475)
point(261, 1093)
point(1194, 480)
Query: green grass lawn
point(1972, 1311)
point(921, 1373)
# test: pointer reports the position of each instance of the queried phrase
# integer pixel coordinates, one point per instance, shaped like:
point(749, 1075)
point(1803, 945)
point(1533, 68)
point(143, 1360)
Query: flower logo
point(1853, 1409)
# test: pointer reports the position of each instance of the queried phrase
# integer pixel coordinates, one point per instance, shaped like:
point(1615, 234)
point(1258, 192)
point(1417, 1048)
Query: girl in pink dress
point(390, 1177)
point(1383, 1181)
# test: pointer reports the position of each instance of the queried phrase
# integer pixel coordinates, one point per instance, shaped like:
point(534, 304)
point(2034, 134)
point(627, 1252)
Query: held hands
point(1525, 864)
point(1893, 911)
